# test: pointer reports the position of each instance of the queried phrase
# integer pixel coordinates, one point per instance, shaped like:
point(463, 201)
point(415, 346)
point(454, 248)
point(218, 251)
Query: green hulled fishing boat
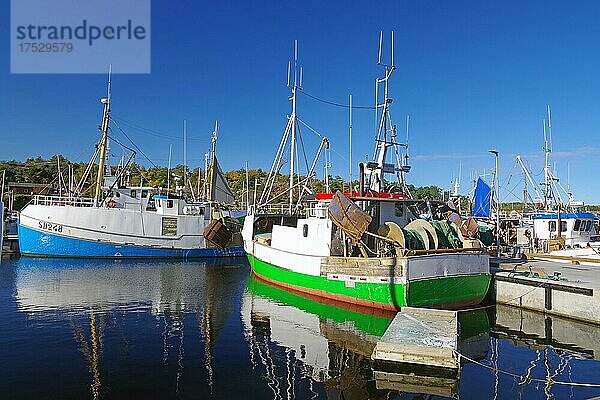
point(375, 247)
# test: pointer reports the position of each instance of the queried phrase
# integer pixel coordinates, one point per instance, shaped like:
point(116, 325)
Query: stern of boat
point(447, 280)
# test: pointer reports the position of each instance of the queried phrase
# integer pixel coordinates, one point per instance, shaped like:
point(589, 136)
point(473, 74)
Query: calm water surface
point(76, 329)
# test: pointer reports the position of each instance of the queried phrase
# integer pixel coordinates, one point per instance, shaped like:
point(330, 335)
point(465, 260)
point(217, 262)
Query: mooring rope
point(524, 378)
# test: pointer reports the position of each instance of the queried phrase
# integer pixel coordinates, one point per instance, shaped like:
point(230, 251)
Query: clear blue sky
point(473, 75)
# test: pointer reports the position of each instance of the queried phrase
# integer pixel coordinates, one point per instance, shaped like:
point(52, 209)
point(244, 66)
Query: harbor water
point(76, 329)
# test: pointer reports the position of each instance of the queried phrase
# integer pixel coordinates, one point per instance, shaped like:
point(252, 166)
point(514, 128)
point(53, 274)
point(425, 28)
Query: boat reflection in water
point(297, 340)
point(118, 310)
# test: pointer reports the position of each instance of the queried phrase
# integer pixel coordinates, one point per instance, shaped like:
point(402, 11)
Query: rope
point(135, 145)
point(153, 132)
point(524, 378)
point(331, 103)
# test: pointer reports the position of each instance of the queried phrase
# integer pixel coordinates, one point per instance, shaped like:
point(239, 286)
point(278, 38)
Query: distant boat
point(556, 227)
point(131, 222)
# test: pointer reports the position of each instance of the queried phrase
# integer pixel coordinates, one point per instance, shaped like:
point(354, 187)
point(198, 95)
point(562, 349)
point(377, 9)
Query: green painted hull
point(440, 292)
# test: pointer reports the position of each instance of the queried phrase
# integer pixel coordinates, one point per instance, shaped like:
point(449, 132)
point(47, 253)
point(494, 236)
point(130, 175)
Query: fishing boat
point(556, 226)
point(372, 247)
point(130, 221)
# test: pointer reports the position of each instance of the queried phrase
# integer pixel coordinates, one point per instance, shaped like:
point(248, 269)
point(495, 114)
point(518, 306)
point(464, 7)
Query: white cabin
point(578, 229)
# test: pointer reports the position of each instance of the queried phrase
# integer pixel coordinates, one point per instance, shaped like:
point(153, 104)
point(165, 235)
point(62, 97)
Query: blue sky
point(473, 75)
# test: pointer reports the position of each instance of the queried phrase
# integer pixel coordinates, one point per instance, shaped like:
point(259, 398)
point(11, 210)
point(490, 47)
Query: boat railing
point(281, 208)
point(317, 210)
point(63, 201)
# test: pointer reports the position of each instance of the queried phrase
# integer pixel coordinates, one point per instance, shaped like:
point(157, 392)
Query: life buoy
point(111, 204)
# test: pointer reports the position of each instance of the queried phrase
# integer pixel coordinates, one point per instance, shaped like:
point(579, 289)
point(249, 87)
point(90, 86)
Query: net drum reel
point(423, 235)
point(417, 235)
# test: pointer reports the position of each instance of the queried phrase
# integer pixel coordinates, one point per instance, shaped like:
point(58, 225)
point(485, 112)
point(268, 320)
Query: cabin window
point(133, 194)
point(305, 230)
point(586, 226)
point(552, 226)
point(577, 225)
point(144, 194)
point(563, 226)
point(169, 203)
point(158, 202)
point(117, 195)
point(398, 210)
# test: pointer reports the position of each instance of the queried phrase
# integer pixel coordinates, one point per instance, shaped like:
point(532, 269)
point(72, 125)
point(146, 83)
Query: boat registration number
point(49, 226)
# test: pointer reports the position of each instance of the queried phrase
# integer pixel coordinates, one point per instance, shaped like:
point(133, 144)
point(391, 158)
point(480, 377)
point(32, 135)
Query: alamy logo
point(80, 36)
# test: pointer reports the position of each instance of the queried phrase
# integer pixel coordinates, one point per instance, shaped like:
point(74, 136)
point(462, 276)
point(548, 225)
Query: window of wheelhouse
point(144, 194)
point(577, 225)
point(563, 226)
point(169, 203)
point(552, 226)
point(133, 194)
point(398, 209)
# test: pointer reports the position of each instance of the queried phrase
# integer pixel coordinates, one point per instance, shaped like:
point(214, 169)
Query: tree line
point(46, 172)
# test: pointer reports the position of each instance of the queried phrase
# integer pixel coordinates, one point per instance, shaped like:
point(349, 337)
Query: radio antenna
point(380, 44)
point(549, 128)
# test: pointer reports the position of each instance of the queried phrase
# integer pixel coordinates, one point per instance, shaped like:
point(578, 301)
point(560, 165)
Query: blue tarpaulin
point(483, 199)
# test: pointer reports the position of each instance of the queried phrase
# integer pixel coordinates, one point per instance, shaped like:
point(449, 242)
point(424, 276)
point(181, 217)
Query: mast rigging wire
point(332, 103)
point(134, 145)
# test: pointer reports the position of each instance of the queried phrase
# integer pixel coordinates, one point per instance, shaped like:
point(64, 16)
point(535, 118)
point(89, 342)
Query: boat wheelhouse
point(578, 229)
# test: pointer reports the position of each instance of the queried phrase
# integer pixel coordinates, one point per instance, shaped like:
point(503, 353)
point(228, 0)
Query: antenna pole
point(380, 44)
point(169, 171)
point(406, 157)
point(550, 127)
point(393, 65)
point(184, 155)
point(294, 127)
point(546, 170)
point(351, 165)
point(247, 188)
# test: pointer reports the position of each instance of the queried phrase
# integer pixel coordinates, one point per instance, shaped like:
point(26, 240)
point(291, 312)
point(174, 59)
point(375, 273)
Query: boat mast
point(294, 123)
point(350, 150)
point(184, 155)
point(213, 150)
point(378, 167)
point(103, 142)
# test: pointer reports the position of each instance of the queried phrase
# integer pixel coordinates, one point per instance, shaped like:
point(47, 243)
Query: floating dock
point(550, 287)
point(422, 337)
